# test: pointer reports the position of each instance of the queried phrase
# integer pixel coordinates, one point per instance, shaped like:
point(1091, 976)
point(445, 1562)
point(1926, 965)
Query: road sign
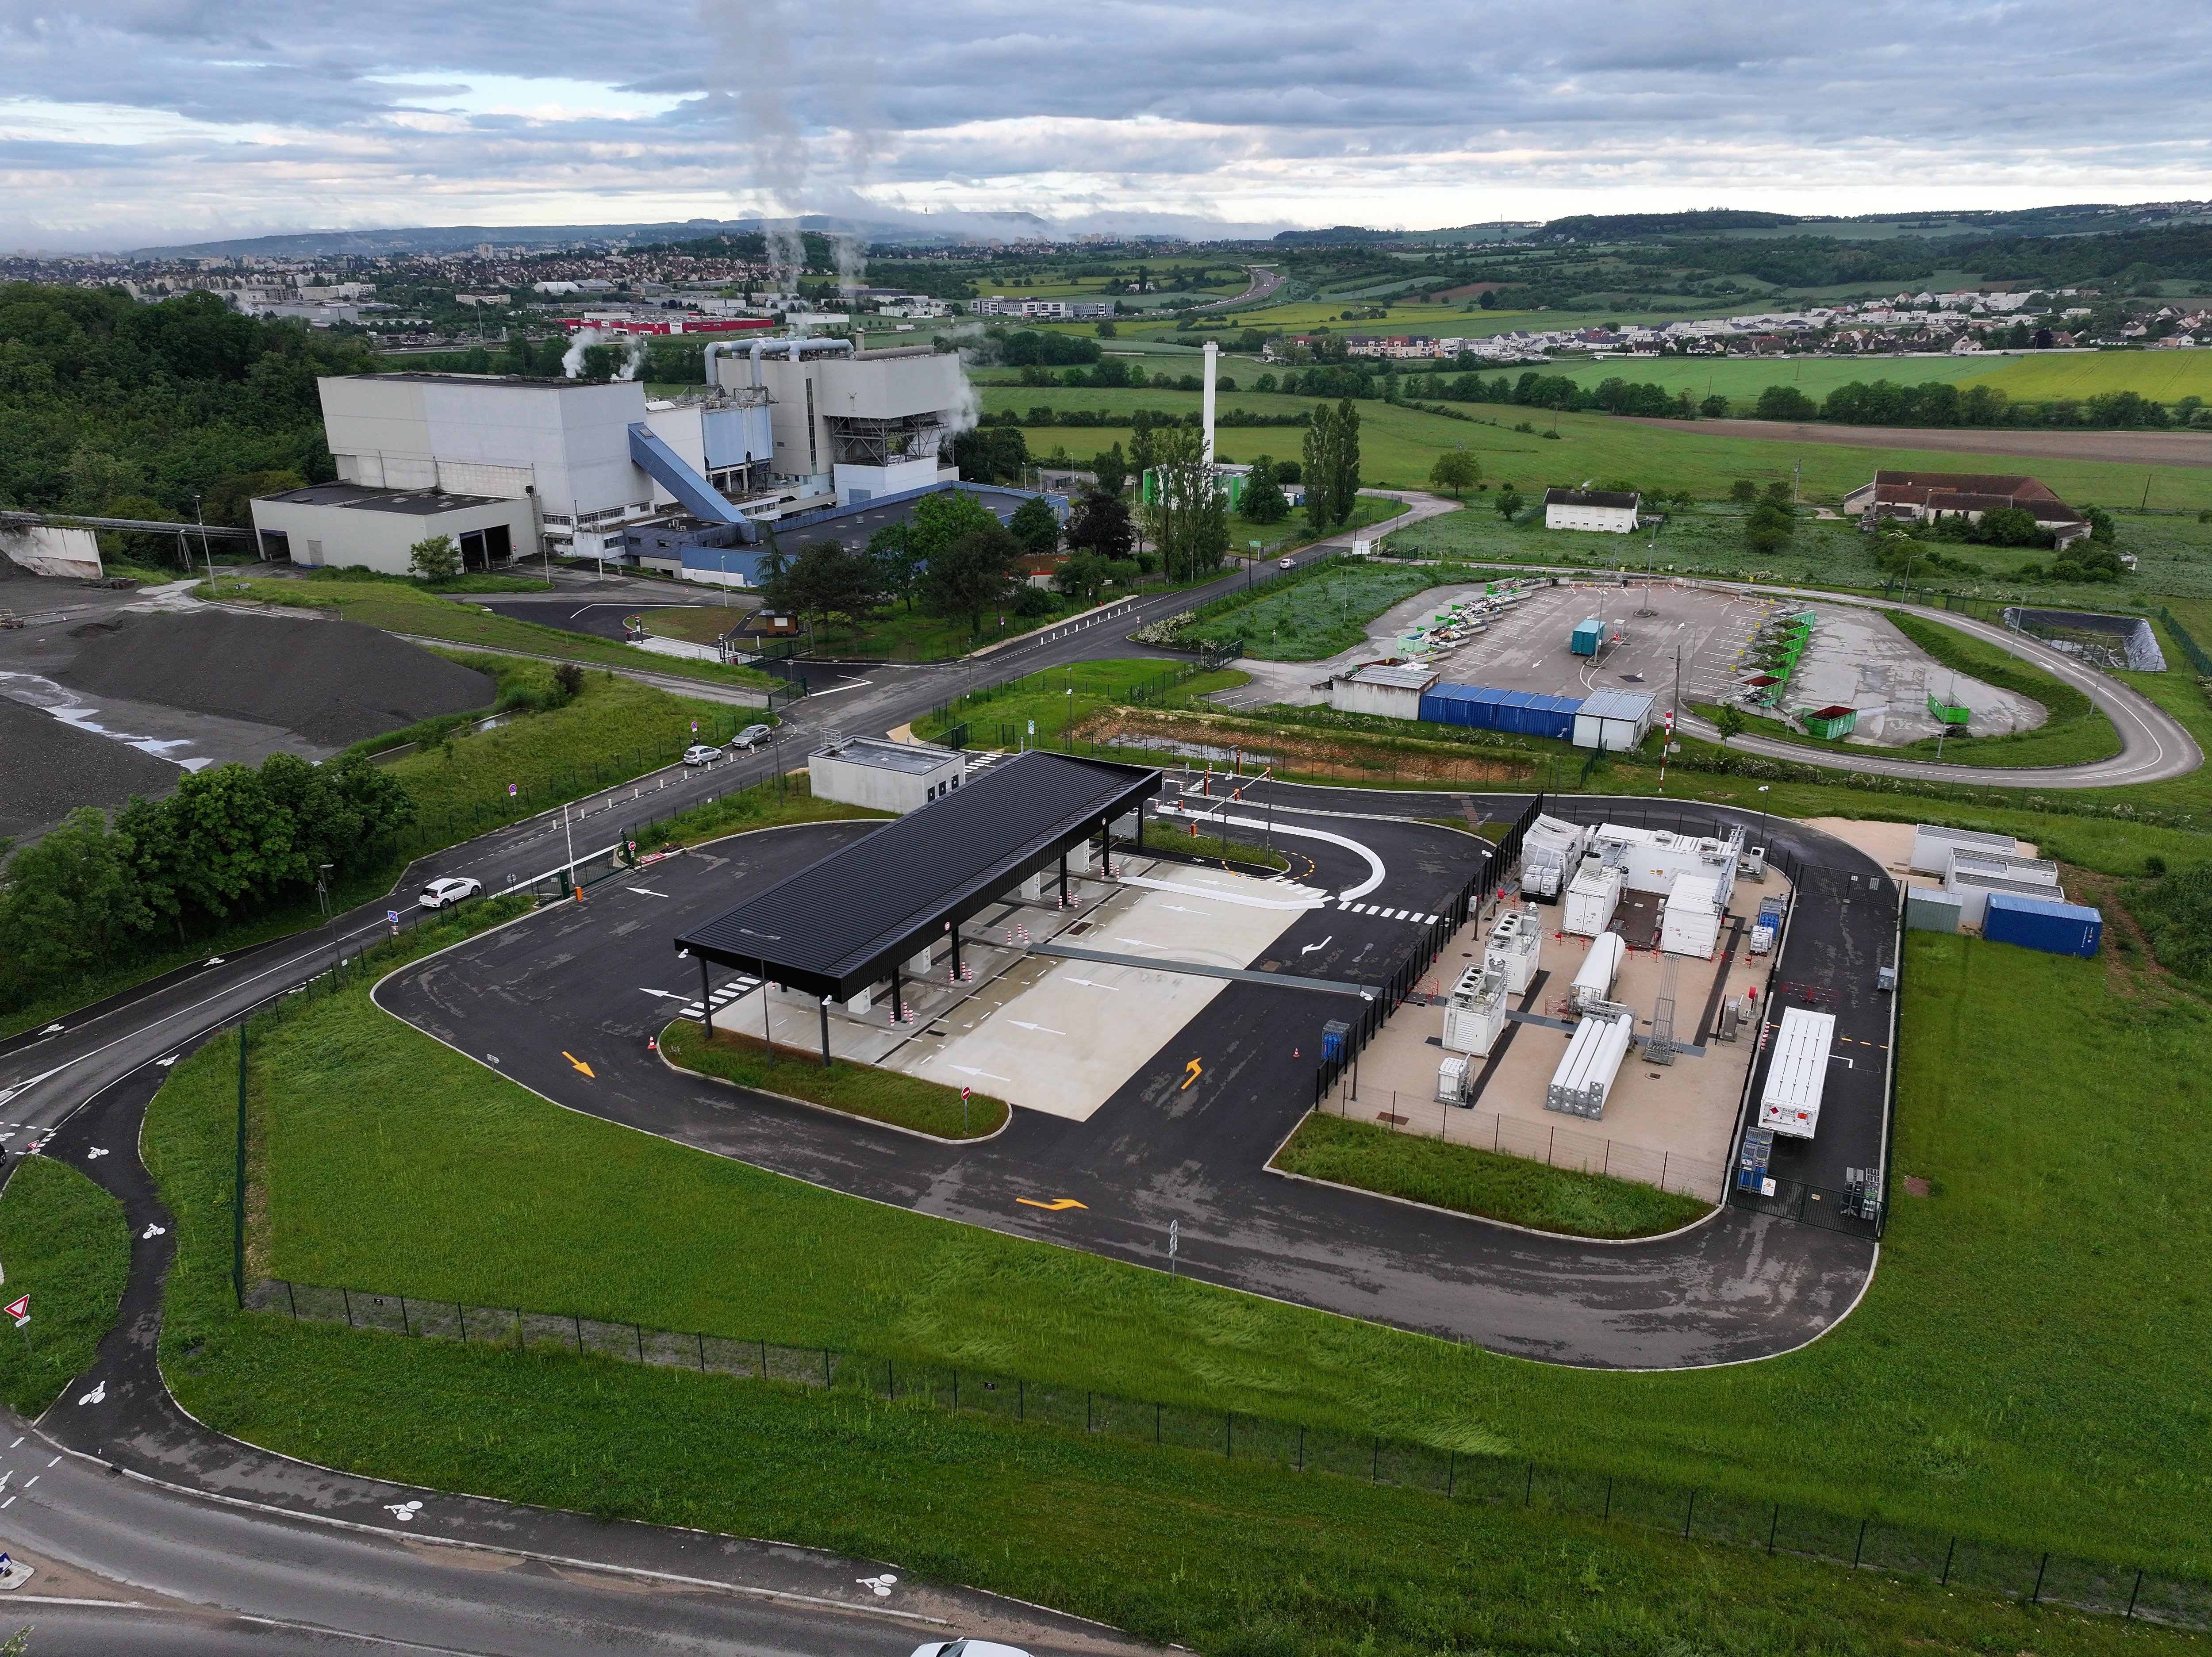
point(1174, 1244)
point(19, 1309)
point(512, 790)
point(392, 916)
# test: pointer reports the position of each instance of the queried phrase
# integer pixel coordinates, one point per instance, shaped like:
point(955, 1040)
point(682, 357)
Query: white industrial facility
point(511, 466)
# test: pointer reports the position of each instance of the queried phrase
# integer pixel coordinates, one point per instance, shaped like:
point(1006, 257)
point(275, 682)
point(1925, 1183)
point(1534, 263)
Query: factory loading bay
point(1574, 1021)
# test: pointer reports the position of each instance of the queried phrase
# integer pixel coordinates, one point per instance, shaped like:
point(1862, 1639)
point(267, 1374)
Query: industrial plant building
point(1609, 512)
point(510, 466)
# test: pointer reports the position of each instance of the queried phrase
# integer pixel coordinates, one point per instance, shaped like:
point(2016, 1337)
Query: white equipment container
point(1593, 1059)
point(1593, 983)
point(1591, 899)
point(1932, 846)
point(1475, 1018)
point(1651, 860)
point(1451, 1082)
point(2002, 867)
point(1974, 891)
point(1549, 853)
point(1692, 922)
point(1792, 1101)
point(1514, 942)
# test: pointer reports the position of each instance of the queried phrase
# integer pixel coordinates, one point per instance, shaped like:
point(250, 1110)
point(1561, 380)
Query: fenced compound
point(1865, 1542)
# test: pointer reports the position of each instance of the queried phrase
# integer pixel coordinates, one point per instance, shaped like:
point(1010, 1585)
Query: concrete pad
point(1068, 1040)
point(1889, 844)
point(1665, 1126)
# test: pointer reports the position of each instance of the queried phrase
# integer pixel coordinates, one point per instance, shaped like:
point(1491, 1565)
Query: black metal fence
point(1693, 1513)
point(2197, 659)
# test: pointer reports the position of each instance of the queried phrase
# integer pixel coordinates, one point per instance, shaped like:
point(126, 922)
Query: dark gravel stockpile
point(334, 682)
point(52, 769)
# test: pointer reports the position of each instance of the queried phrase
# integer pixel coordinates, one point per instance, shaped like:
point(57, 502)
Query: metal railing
point(1694, 1512)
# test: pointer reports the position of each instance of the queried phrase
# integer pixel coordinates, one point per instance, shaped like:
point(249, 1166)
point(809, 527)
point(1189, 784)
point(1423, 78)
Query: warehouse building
point(1608, 512)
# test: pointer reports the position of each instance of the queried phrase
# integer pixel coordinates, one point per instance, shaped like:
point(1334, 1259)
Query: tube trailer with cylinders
point(1593, 983)
point(1790, 1103)
point(1594, 1057)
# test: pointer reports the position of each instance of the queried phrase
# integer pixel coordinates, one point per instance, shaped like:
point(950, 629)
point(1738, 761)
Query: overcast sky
point(128, 121)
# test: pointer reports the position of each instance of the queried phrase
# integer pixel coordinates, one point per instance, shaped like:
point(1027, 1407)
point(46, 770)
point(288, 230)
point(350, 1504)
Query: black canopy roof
point(843, 924)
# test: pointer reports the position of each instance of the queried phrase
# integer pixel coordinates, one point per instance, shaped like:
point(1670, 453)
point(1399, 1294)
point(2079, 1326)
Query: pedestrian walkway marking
point(1196, 1070)
point(1055, 1206)
point(577, 1063)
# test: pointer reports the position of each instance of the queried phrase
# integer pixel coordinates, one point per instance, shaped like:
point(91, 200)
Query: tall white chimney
point(1212, 355)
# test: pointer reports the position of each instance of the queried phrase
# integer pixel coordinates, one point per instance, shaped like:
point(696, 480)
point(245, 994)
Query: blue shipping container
point(2036, 923)
point(1523, 713)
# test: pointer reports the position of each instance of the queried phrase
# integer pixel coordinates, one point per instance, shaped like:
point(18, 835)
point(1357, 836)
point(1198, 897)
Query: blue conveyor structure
point(670, 469)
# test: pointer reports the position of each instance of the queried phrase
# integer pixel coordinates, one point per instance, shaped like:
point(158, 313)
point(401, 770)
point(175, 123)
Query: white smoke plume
point(633, 349)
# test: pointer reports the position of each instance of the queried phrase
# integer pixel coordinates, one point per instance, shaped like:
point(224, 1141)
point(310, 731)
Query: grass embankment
point(1399, 444)
point(2025, 1367)
point(1308, 615)
point(66, 1245)
point(400, 606)
point(1058, 699)
point(880, 1096)
point(1470, 1180)
point(763, 805)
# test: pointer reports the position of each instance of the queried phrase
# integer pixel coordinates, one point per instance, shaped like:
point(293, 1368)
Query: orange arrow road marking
point(577, 1063)
point(1055, 1205)
point(1196, 1070)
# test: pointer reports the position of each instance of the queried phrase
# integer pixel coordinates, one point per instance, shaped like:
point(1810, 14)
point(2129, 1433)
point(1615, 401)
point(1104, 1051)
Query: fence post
point(1690, 1514)
point(2036, 1597)
point(346, 1300)
point(1451, 1471)
point(1302, 1447)
point(577, 1319)
point(640, 1328)
point(1858, 1548)
point(2133, 1593)
point(403, 1329)
point(1944, 1581)
point(1775, 1525)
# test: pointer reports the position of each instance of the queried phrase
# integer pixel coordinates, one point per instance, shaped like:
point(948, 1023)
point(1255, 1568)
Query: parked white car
point(1287, 563)
point(698, 755)
point(444, 894)
point(968, 1648)
point(751, 737)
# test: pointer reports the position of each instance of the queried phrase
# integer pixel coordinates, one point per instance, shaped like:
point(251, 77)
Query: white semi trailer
point(1790, 1103)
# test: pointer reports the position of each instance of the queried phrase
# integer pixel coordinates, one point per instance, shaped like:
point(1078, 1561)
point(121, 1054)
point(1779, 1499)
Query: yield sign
point(18, 1309)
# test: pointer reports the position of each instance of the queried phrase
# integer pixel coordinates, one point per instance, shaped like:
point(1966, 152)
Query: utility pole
point(200, 518)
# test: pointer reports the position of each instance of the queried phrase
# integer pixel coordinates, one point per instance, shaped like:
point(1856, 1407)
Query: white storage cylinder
point(1593, 983)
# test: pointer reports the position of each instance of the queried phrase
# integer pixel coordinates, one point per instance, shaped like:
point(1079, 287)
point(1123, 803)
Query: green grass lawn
point(1399, 444)
point(1175, 837)
point(616, 729)
point(1475, 1181)
point(2025, 1367)
point(399, 607)
point(881, 1096)
point(1309, 617)
point(65, 1244)
point(1060, 698)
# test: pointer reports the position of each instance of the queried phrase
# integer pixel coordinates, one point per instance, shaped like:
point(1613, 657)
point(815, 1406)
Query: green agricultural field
point(2025, 1368)
point(1317, 616)
point(1399, 444)
point(66, 1245)
point(2162, 376)
point(1742, 379)
point(1060, 698)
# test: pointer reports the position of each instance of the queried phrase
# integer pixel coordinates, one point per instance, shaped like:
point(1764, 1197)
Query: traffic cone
point(1294, 1052)
point(652, 1044)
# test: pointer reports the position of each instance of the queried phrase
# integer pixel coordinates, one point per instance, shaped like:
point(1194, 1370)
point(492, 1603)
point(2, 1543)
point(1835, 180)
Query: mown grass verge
point(1470, 1180)
point(1174, 837)
point(789, 798)
point(1939, 1403)
point(65, 1244)
point(868, 1090)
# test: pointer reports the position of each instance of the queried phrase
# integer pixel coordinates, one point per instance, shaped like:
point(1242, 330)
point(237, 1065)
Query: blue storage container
point(1588, 636)
point(2036, 923)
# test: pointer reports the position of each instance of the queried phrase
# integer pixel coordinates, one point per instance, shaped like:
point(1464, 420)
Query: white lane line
point(833, 689)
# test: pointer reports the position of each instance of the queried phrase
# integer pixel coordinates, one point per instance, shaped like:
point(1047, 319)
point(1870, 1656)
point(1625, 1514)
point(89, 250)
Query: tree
point(1264, 502)
point(991, 454)
point(1456, 472)
point(1112, 470)
point(829, 580)
point(941, 520)
point(1101, 527)
point(1036, 526)
point(1785, 403)
point(1715, 407)
point(1730, 722)
point(1509, 500)
point(1344, 482)
point(72, 902)
point(1320, 468)
point(1743, 492)
point(1187, 519)
point(896, 563)
point(1769, 528)
point(1107, 330)
point(973, 573)
point(435, 559)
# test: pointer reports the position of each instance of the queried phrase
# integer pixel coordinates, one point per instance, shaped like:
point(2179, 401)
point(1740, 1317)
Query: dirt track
point(2132, 448)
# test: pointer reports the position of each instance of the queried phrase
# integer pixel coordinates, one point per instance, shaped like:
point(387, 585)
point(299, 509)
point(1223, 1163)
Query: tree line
point(1936, 403)
point(94, 896)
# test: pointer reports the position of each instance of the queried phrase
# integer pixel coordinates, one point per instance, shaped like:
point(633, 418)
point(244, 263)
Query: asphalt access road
point(118, 1495)
point(600, 618)
point(1159, 1150)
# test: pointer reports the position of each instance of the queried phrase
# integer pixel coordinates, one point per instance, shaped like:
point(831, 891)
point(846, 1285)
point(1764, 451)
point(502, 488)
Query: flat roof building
point(372, 528)
point(884, 775)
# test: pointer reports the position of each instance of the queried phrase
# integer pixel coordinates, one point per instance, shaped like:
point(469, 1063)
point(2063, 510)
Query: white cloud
point(123, 123)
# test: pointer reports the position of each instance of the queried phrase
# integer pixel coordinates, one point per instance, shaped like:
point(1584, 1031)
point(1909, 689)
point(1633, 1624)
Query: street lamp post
point(1764, 838)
